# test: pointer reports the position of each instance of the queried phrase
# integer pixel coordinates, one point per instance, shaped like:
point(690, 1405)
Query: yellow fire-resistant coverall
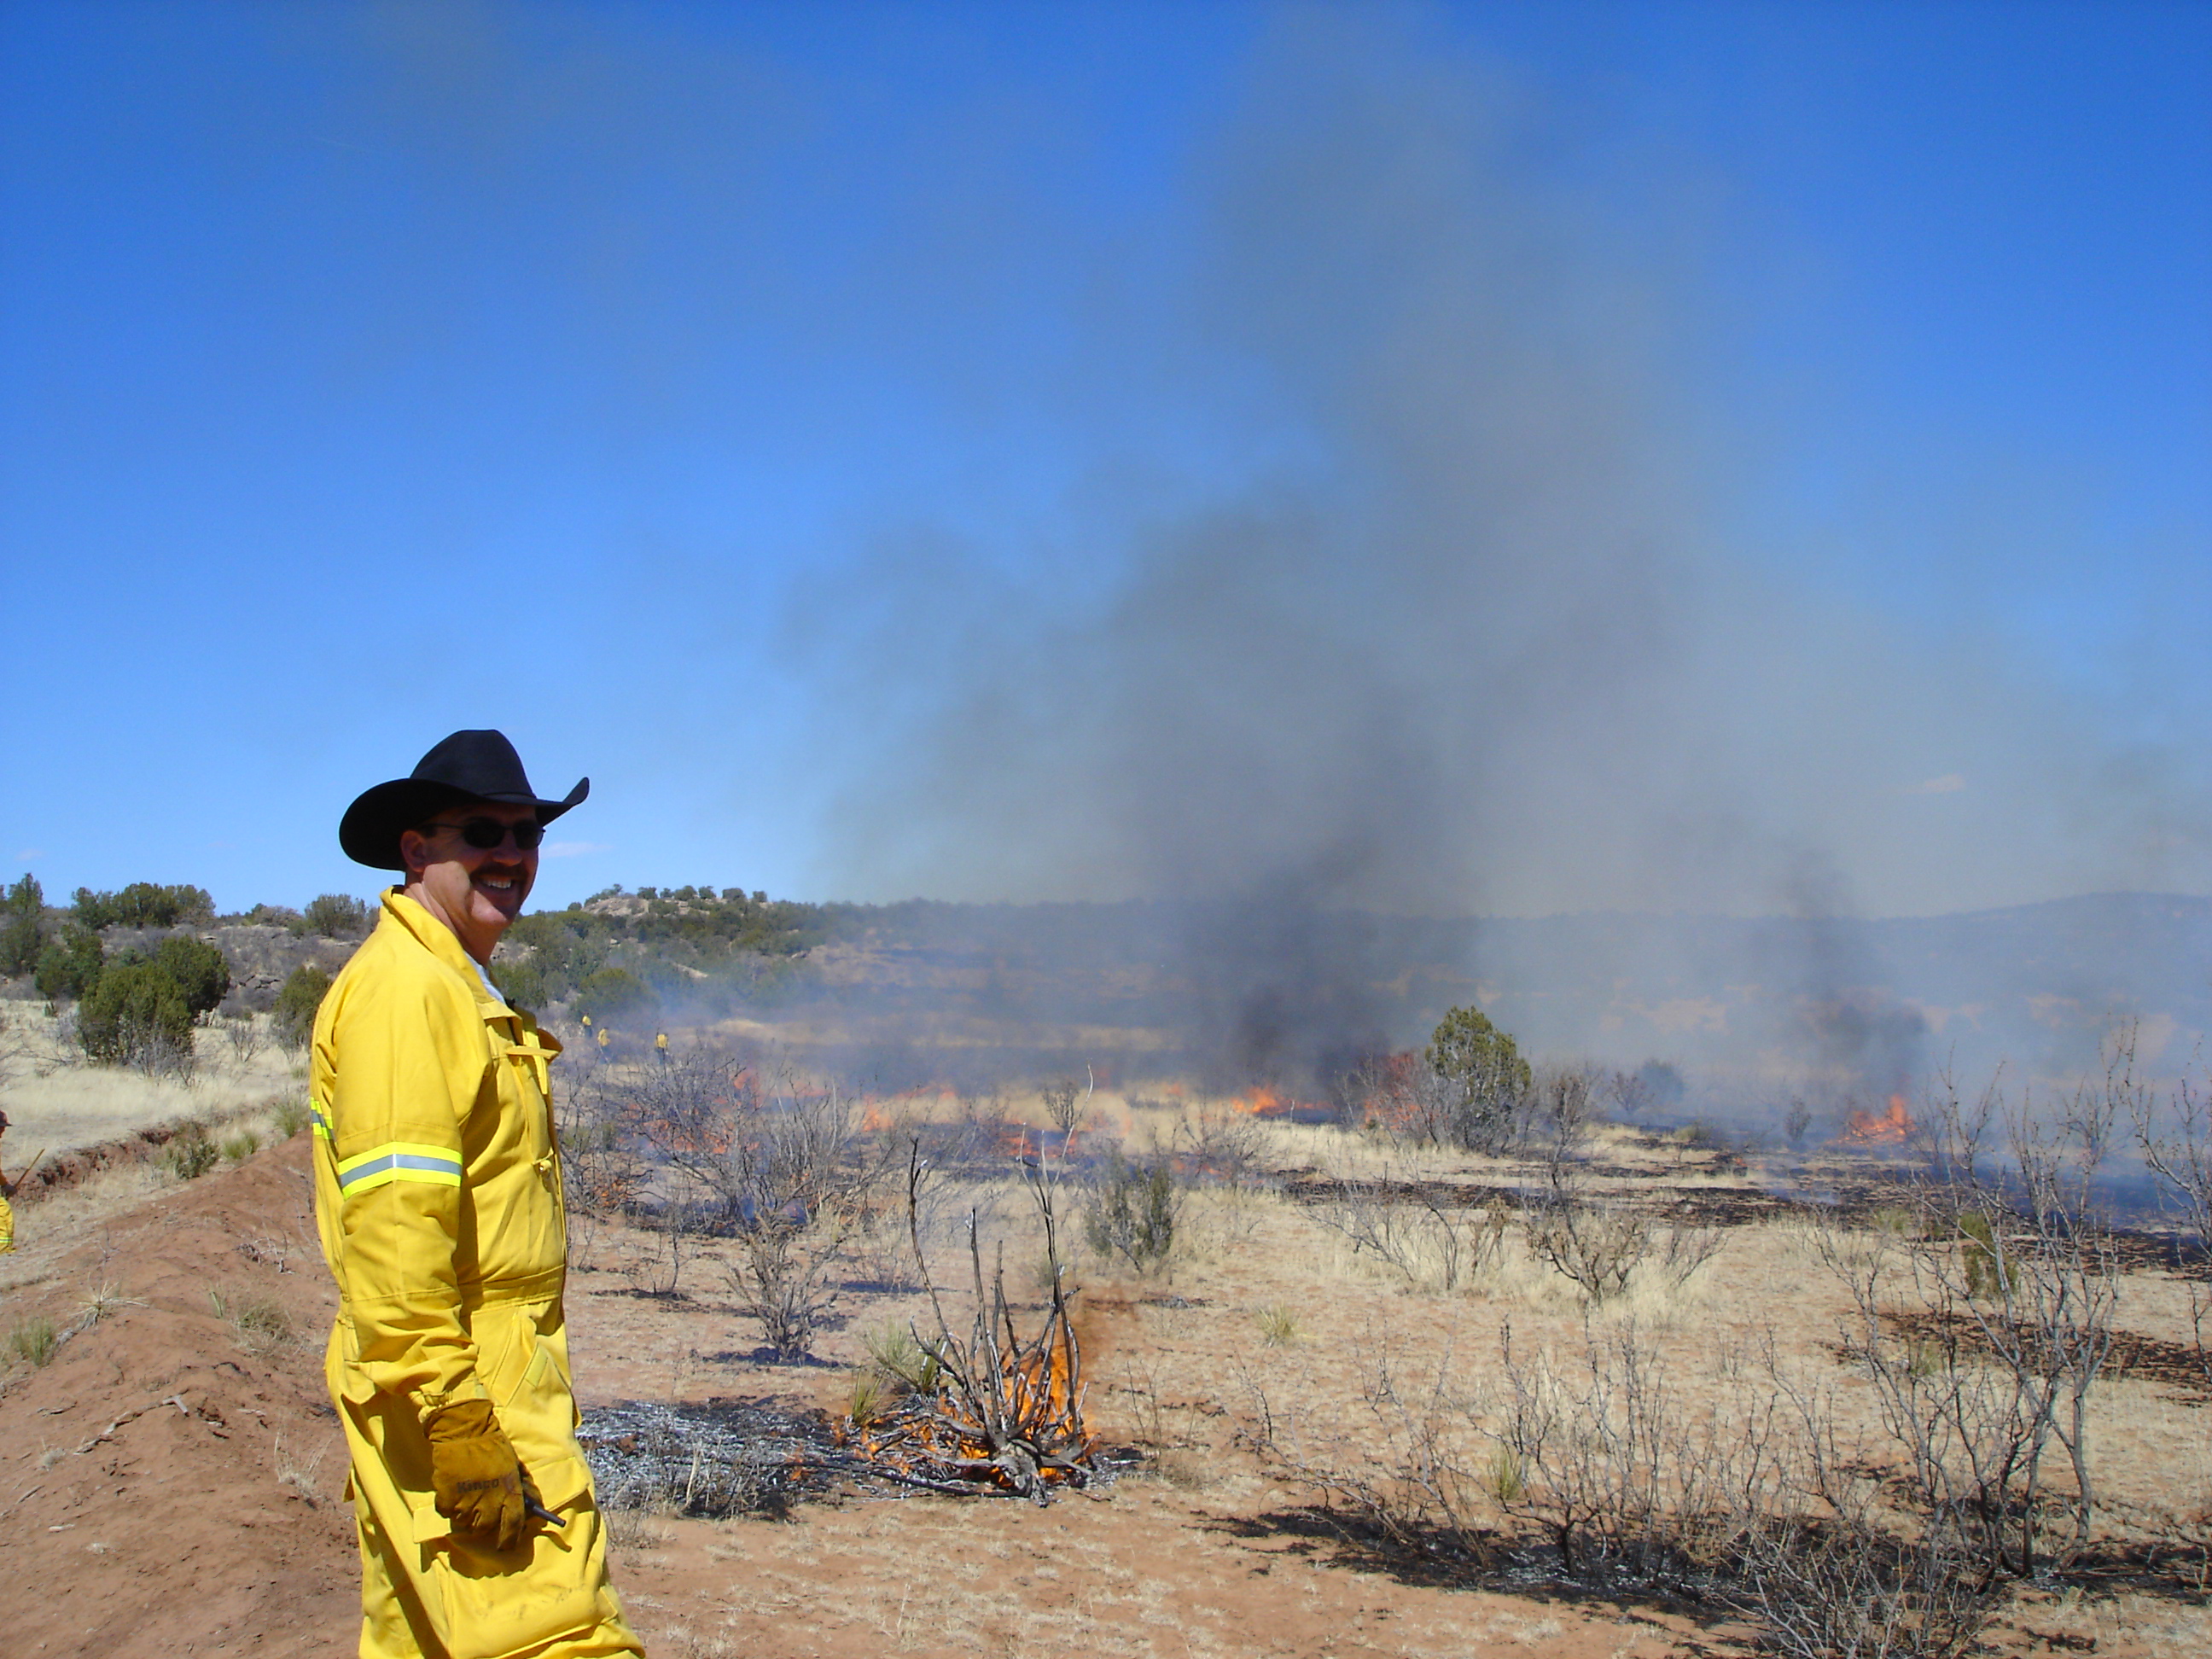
point(7, 1226)
point(438, 1196)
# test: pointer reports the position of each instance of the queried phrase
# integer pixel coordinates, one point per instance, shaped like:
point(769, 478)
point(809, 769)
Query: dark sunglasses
point(485, 834)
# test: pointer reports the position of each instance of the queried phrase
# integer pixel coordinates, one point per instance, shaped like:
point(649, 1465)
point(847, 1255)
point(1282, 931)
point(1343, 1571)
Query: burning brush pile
point(991, 1411)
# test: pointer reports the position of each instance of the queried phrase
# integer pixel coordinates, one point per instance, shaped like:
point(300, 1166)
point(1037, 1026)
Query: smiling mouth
point(497, 884)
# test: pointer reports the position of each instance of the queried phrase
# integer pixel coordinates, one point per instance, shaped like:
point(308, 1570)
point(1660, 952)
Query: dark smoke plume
point(1467, 635)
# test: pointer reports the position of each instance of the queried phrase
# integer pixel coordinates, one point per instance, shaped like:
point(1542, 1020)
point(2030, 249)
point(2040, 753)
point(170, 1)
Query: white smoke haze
point(1480, 641)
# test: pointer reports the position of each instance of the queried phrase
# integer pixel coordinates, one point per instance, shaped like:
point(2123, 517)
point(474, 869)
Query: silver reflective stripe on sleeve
point(399, 1161)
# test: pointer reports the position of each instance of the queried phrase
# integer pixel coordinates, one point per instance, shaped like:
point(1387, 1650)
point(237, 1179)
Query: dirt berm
point(170, 1480)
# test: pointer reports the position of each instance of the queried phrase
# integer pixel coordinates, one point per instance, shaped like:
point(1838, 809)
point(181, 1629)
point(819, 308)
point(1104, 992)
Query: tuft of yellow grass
point(258, 1323)
point(33, 1340)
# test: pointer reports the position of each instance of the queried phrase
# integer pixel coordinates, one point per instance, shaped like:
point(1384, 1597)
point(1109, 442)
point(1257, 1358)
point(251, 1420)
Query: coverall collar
point(434, 936)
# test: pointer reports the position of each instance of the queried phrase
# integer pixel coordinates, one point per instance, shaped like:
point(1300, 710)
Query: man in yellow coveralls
point(438, 1196)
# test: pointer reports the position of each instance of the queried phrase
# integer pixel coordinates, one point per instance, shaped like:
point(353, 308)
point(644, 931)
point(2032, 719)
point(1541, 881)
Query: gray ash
point(723, 1458)
point(730, 1457)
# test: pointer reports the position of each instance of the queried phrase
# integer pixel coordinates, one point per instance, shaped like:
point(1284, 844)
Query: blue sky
point(738, 404)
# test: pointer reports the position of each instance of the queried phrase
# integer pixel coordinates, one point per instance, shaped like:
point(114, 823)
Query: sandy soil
point(170, 1481)
point(171, 1485)
point(141, 1469)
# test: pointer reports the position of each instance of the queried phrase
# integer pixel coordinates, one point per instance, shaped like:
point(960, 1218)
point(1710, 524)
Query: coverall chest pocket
point(528, 1083)
point(527, 1052)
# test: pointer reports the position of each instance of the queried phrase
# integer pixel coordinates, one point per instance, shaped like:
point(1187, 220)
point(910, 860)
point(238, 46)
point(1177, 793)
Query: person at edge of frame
point(438, 1197)
point(7, 1192)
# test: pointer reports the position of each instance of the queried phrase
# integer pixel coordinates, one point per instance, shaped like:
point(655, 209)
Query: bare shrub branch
point(1595, 1243)
point(1598, 1460)
point(998, 1411)
point(784, 1171)
point(1432, 1246)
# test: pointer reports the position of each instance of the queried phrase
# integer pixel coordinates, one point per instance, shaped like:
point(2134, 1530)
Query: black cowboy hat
point(467, 766)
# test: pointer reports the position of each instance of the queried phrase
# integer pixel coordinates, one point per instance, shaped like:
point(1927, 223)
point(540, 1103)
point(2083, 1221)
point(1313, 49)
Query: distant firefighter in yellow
point(7, 1191)
point(603, 1039)
point(438, 1197)
point(660, 1045)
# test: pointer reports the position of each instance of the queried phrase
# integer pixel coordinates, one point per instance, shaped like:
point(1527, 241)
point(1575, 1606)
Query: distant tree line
point(142, 904)
point(132, 1004)
point(614, 962)
point(328, 915)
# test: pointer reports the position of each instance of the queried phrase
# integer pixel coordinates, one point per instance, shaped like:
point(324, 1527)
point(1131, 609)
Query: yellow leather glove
point(479, 1482)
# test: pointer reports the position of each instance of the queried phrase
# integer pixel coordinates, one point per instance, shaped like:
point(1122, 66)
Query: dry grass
point(48, 1229)
point(236, 1110)
point(34, 1342)
point(633, 1530)
point(57, 1100)
point(258, 1324)
point(300, 1473)
point(101, 1300)
point(1258, 1288)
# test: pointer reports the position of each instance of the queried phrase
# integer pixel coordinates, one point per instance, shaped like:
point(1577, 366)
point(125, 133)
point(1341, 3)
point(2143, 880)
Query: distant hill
point(1258, 990)
point(1261, 991)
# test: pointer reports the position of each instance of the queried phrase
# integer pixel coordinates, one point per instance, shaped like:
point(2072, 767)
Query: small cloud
point(574, 849)
point(1949, 784)
point(30, 852)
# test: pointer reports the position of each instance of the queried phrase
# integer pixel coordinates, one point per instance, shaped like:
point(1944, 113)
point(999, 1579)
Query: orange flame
point(1389, 1092)
point(941, 1442)
point(1266, 1101)
point(1892, 1128)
